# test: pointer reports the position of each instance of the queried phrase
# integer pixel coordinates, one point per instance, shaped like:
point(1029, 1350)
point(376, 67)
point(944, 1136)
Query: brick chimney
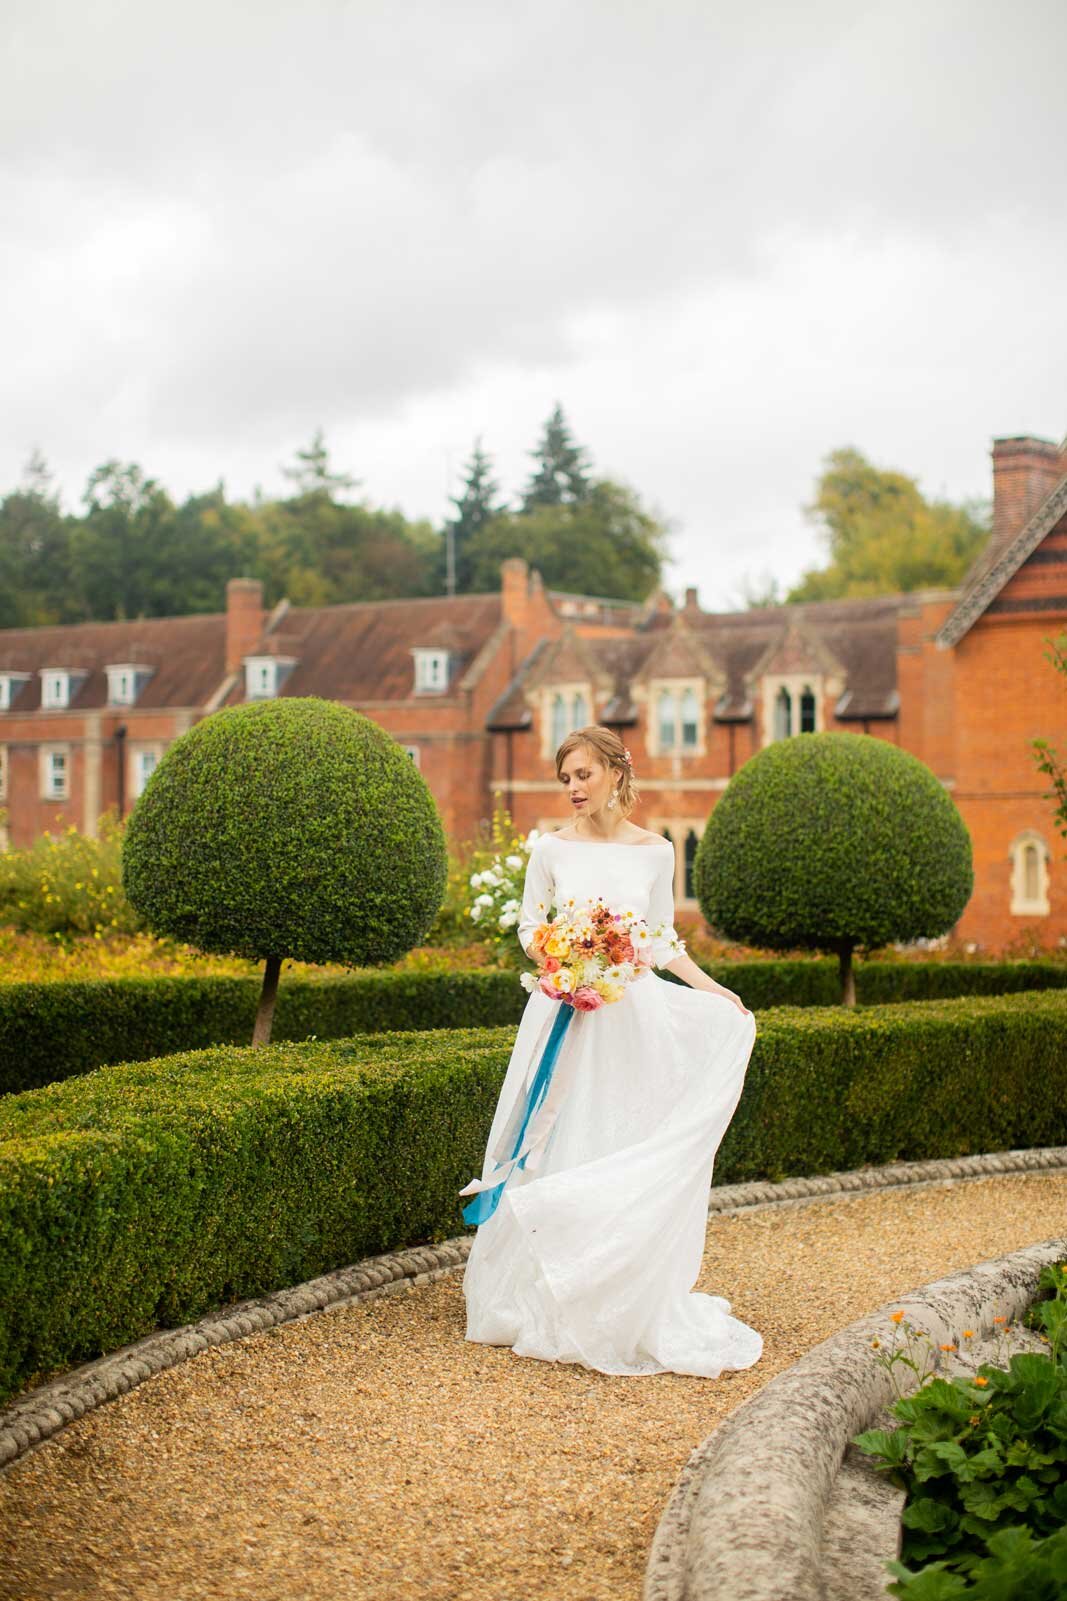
point(515, 591)
point(691, 602)
point(244, 620)
point(1025, 472)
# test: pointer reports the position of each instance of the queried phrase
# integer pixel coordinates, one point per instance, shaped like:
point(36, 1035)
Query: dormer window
point(677, 717)
point(125, 680)
point(261, 677)
point(791, 706)
point(58, 686)
point(10, 684)
point(431, 668)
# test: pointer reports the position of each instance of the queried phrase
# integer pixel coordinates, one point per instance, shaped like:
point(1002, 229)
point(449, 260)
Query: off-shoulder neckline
point(608, 844)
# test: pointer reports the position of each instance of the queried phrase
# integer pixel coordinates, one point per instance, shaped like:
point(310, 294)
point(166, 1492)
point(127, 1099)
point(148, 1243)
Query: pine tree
point(475, 506)
point(312, 475)
point(562, 475)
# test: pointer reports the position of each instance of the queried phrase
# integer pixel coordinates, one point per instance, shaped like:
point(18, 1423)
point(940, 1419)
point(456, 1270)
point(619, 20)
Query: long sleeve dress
point(592, 1255)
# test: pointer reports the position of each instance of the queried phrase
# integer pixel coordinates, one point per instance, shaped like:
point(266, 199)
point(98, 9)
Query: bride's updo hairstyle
point(606, 744)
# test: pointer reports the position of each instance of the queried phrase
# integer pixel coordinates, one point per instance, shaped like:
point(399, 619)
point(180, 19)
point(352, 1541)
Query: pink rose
point(546, 986)
point(586, 999)
point(551, 964)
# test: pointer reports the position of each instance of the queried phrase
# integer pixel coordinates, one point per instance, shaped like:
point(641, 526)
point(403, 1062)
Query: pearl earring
point(612, 801)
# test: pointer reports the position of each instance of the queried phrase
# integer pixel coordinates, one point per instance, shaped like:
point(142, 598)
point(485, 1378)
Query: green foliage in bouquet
point(831, 842)
point(67, 884)
point(984, 1463)
point(293, 828)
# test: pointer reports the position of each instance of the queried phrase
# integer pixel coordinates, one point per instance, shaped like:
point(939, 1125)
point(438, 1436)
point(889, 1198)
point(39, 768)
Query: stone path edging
point(748, 1514)
point(49, 1407)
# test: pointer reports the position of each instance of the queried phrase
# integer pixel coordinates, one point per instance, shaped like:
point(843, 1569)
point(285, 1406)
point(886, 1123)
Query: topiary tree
point(287, 828)
point(832, 842)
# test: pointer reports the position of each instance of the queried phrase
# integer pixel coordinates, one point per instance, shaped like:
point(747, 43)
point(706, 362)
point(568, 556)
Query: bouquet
point(588, 954)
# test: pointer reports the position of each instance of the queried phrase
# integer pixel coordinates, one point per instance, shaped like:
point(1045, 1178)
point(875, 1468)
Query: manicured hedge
point(53, 1031)
point(145, 1194)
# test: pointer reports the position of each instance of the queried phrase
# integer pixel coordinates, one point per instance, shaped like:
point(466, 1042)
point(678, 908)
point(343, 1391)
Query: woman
point(592, 1250)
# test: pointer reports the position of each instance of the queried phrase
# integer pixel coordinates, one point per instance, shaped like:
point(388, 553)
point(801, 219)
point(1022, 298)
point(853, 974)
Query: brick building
point(481, 688)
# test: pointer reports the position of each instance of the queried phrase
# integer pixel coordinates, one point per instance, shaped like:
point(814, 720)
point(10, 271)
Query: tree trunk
point(267, 997)
point(846, 975)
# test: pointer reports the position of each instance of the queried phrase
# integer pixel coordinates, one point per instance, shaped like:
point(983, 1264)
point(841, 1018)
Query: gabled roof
point(187, 655)
point(998, 563)
point(362, 651)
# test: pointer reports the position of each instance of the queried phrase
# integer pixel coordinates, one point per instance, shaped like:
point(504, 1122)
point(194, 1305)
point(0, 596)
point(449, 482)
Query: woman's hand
point(686, 969)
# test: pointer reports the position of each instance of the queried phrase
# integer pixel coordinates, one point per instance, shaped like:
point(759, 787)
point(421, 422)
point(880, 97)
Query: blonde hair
point(606, 744)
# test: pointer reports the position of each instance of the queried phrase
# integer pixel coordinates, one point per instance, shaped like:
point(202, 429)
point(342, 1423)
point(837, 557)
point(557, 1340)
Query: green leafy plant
point(833, 842)
point(984, 1462)
point(65, 885)
point(498, 878)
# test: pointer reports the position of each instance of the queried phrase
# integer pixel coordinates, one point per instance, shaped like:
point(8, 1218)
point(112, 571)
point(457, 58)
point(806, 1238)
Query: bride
point(593, 1246)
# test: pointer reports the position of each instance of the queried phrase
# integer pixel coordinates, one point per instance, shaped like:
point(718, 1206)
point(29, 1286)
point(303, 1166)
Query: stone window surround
point(47, 772)
point(58, 687)
point(136, 749)
point(678, 686)
point(415, 752)
point(678, 828)
point(431, 669)
point(1022, 905)
point(568, 689)
point(795, 684)
point(120, 693)
point(10, 684)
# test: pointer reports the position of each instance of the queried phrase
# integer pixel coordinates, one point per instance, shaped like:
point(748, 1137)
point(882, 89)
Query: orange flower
point(875, 1344)
point(1000, 1320)
point(896, 1317)
point(981, 1383)
point(968, 1334)
point(947, 1347)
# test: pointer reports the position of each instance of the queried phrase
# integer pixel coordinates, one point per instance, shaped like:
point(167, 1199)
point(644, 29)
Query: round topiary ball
point(830, 841)
point(287, 828)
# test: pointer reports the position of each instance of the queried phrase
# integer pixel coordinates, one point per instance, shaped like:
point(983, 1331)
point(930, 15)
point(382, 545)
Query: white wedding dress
point(592, 1257)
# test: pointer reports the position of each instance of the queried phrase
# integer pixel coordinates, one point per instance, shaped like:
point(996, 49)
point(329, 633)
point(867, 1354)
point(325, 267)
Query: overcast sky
point(727, 238)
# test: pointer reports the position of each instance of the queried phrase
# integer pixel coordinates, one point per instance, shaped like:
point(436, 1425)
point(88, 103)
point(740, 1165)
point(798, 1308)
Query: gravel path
point(373, 1452)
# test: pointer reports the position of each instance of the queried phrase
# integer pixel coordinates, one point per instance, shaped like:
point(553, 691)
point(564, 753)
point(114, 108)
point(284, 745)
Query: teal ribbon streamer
point(484, 1204)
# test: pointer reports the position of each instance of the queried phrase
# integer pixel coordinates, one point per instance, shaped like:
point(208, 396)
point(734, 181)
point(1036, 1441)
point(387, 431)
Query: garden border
point(38, 1414)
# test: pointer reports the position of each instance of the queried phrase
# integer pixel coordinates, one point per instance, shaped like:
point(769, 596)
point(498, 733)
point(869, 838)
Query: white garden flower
point(490, 879)
point(507, 920)
point(513, 861)
point(475, 913)
point(476, 881)
point(512, 905)
point(483, 900)
point(528, 982)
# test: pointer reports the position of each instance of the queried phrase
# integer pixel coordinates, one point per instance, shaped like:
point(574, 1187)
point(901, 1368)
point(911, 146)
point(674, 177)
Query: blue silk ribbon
point(485, 1203)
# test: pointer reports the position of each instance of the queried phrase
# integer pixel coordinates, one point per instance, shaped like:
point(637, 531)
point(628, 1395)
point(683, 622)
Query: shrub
point(833, 841)
point(146, 1193)
point(54, 1030)
point(287, 828)
point(67, 884)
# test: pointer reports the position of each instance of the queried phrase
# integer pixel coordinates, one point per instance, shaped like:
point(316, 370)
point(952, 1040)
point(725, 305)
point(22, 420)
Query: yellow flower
point(896, 1317)
point(875, 1345)
point(968, 1334)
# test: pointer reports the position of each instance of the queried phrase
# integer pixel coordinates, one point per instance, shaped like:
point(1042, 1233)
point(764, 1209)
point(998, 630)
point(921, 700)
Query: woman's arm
point(661, 917)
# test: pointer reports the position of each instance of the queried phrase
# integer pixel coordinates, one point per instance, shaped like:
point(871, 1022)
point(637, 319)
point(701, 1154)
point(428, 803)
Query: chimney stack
point(691, 602)
point(515, 591)
point(1025, 472)
point(244, 620)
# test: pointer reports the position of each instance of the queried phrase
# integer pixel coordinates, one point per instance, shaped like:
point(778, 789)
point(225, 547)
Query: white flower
point(639, 936)
point(528, 982)
point(508, 920)
point(476, 881)
point(513, 861)
point(483, 900)
point(511, 906)
point(490, 879)
point(619, 973)
point(475, 913)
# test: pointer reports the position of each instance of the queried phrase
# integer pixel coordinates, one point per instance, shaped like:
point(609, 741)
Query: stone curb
point(747, 1516)
point(49, 1407)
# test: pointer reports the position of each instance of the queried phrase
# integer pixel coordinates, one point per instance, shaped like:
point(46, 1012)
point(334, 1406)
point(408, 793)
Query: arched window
point(807, 711)
point(690, 713)
point(668, 718)
point(783, 714)
point(580, 714)
point(1029, 857)
point(559, 721)
point(691, 843)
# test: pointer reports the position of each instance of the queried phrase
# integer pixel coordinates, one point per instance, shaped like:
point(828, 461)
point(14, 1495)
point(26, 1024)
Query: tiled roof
point(999, 561)
point(362, 652)
point(187, 653)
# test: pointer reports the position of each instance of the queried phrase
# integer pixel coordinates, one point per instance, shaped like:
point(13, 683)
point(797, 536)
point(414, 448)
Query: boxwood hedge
point(55, 1030)
point(147, 1193)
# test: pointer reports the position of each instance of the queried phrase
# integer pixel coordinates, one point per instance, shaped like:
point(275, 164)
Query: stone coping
point(748, 1517)
point(41, 1412)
